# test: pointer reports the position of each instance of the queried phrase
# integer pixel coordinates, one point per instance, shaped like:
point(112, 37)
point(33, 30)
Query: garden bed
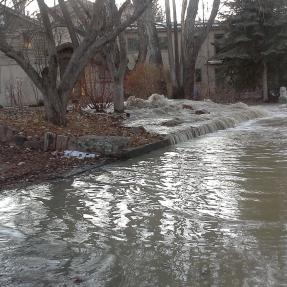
point(23, 163)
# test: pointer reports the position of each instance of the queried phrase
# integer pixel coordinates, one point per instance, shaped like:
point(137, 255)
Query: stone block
point(6, 134)
point(172, 123)
point(50, 141)
point(187, 107)
point(107, 145)
point(34, 144)
point(202, 112)
point(62, 143)
point(72, 144)
point(19, 140)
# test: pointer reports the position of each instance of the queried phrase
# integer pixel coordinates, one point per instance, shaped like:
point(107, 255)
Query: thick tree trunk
point(55, 110)
point(265, 82)
point(95, 38)
point(118, 96)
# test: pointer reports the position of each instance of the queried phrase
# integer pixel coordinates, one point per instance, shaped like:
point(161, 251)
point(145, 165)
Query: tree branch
point(19, 58)
point(89, 46)
point(53, 59)
point(210, 22)
point(69, 23)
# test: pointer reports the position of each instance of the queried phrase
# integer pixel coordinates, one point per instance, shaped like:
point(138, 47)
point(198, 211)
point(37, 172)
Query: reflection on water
point(210, 212)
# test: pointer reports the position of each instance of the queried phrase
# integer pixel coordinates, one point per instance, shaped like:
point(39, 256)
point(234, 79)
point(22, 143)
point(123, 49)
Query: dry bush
point(93, 90)
point(144, 81)
point(14, 93)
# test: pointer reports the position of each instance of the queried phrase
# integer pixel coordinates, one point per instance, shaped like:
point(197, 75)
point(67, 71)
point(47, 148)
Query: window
point(133, 44)
point(27, 41)
point(198, 77)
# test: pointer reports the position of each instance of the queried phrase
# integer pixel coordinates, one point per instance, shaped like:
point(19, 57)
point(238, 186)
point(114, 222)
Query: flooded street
point(208, 212)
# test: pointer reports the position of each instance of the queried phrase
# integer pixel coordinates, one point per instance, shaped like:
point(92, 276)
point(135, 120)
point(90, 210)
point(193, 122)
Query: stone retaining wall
point(105, 145)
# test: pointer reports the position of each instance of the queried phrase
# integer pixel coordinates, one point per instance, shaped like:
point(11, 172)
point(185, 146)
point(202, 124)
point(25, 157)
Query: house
point(16, 89)
point(96, 85)
point(206, 67)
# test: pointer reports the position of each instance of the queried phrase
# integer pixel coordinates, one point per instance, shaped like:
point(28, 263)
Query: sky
point(206, 3)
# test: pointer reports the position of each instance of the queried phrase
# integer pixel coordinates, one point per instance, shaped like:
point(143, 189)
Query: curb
point(144, 149)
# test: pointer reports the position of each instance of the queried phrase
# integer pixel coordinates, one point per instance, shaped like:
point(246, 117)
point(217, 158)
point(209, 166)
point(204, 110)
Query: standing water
point(208, 212)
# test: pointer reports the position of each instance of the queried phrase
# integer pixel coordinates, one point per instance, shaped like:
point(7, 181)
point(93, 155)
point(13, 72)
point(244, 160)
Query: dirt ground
point(30, 122)
point(21, 165)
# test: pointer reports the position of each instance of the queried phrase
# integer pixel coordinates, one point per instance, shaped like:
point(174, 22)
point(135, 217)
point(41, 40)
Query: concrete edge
point(144, 149)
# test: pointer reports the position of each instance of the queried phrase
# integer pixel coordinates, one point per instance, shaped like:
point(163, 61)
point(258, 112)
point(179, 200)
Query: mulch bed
point(19, 165)
point(30, 121)
point(22, 166)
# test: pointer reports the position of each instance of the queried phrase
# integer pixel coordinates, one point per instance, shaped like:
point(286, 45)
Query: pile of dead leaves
point(19, 165)
point(30, 122)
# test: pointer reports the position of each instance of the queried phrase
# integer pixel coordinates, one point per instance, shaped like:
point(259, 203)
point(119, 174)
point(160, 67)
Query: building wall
point(205, 84)
point(15, 86)
point(17, 89)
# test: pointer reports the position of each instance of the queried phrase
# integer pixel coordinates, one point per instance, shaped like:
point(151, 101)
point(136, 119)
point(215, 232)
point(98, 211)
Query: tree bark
point(142, 37)
point(182, 40)
point(118, 96)
point(170, 49)
point(55, 111)
point(69, 23)
point(176, 45)
point(153, 43)
point(192, 45)
point(117, 62)
point(265, 82)
point(143, 43)
point(56, 90)
point(189, 78)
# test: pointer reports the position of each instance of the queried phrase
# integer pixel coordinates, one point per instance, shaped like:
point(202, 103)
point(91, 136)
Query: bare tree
point(176, 46)
point(116, 58)
point(193, 39)
point(147, 34)
point(97, 34)
point(153, 39)
point(142, 37)
point(171, 56)
point(193, 35)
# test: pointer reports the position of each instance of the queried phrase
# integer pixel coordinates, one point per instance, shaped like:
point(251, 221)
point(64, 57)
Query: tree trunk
point(153, 43)
point(170, 50)
point(176, 44)
point(118, 96)
point(142, 36)
point(265, 82)
point(143, 43)
point(193, 44)
point(189, 78)
point(55, 110)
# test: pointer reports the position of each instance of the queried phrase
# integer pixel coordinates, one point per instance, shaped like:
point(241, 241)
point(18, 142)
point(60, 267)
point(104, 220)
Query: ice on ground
point(154, 113)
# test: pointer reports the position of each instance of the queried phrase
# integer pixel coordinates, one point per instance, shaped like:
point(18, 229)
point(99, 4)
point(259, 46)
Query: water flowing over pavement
point(208, 212)
point(179, 121)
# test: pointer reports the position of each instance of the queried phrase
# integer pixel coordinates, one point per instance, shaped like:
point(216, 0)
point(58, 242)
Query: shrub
point(144, 81)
